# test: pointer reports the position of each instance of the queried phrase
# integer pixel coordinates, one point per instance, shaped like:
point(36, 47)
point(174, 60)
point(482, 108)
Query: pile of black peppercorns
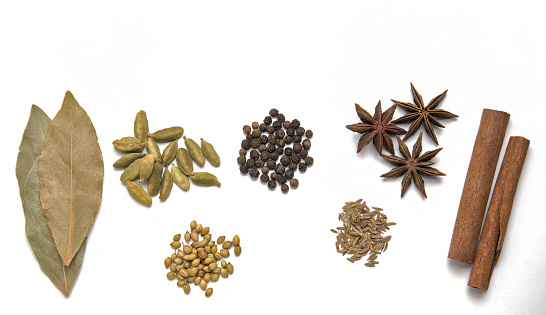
point(277, 149)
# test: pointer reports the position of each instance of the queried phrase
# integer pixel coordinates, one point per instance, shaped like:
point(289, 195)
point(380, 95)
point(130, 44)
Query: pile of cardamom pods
point(200, 261)
point(153, 165)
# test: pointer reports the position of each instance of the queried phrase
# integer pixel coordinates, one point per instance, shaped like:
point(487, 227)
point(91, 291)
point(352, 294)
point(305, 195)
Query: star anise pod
point(421, 114)
point(376, 128)
point(412, 165)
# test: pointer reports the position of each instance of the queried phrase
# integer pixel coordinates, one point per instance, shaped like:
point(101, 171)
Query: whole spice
point(141, 126)
point(138, 193)
point(180, 179)
point(132, 171)
point(166, 185)
point(154, 182)
point(195, 151)
point(210, 153)
point(184, 161)
point(153, 148)
point(167, 134)
point(169, 153)
point(127, 159)
point(146, 167)
point(128, 144)
point(205, 179)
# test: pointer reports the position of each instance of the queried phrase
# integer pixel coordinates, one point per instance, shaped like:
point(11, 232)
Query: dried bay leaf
point(71, 172)
point(38, 234)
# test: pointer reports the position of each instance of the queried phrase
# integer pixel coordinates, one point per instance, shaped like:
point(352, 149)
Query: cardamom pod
point(168, 262)
point(187, 288)
point(153, 148)
point(180, 179)
point(167, 134)
point(195, 151)
point(236, 240)
point(184, 161)
point(127, 159)
point(237, 250)
point(169, 153)
point(210, 153)
point(141, 126)
point(154, 182)
point(166, 185)
point(230, 268)
point(138, 193)
point(205, 179)
point(146, 168)
point(128, 144)
point(132, 171)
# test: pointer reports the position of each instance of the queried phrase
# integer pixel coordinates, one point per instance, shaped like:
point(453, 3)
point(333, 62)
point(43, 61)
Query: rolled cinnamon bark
point(477, 186)
point(496, 221)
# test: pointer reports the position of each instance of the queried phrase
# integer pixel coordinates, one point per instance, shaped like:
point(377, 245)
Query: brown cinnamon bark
point(477, 186)
point(496, 221)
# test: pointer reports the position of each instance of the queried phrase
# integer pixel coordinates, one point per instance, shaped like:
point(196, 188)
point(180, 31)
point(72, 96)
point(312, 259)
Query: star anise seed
point(376, 128)
point(421, 114)
point(412, 165)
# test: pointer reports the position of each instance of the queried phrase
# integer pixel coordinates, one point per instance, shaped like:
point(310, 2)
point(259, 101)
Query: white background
point(213, 66)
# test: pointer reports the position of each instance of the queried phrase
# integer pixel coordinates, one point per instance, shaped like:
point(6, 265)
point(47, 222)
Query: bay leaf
point(31, 145)
point(71, 172)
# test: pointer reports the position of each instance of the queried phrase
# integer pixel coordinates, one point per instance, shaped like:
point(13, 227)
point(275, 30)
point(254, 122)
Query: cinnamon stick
point(500, 207)
point(477, 186)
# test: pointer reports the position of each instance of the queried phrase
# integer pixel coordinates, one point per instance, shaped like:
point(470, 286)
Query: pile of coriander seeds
point(199, 260)
point(277, 149)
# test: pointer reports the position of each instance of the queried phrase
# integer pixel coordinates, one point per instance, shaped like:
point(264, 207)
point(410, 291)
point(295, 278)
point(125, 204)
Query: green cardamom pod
point(166, 185)
point(132, 171)
point(127, 159)
point(138, 193)
point(210, 153)
point(167, 134)
point(179, 178)
point(154, 182)
point(141, 126)
point(128, 144)
point(195, 151)
point(153, 148)
point(169, 153)
point(184, 161)
point(146, 168)
point(204, 179)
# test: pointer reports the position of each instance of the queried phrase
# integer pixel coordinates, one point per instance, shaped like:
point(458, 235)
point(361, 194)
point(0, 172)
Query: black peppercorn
point(241, 159)
point(297, 147)
point(265, 156)
point(290, 131)
point(280, 118)
point(265, 169)
point(271, 148)
point(254, 143)
point(286, 124)
point(274, 176)
point(245, 144)
point(246, 129)
point(309, 161)
point(273, 112)
point(242, 152)
point(306, 144)
point(288, 139)
point(279, 134)
point(255, 125)
point(263, 139)
point(285, 160)
point(285, 188)
point(274, 156)
point(249, 137)
point(302, 167)
point(243, 169)
point(270, 129)
point(279, 168)
point(264, 178)
point(277, 125)
point(259, 163)
point(262, 127)
point(300, 131)
point(256, 133)
point(250, 163)
point(254, 173)
point(289, 174)
point(288, 151)
point(271, 164)
point(272, 184)
point(280, 142)
point(268, 120)
point(297, 138)
point(303, 153)
point(279, 151)
point(261, 148)
point(281, 179)
point(295, 123)
point(309, 133)
point(294, 183)
point(295, 158)
point(293, 166)
point(254, 154)
point(272, 139)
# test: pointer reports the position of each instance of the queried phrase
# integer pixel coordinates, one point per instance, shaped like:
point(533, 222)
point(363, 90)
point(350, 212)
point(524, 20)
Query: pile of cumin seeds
point(361, 233)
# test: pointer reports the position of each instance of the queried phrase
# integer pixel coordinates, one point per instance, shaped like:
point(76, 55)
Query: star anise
point(376, 128)
point(412, 165)
point(423, 114)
